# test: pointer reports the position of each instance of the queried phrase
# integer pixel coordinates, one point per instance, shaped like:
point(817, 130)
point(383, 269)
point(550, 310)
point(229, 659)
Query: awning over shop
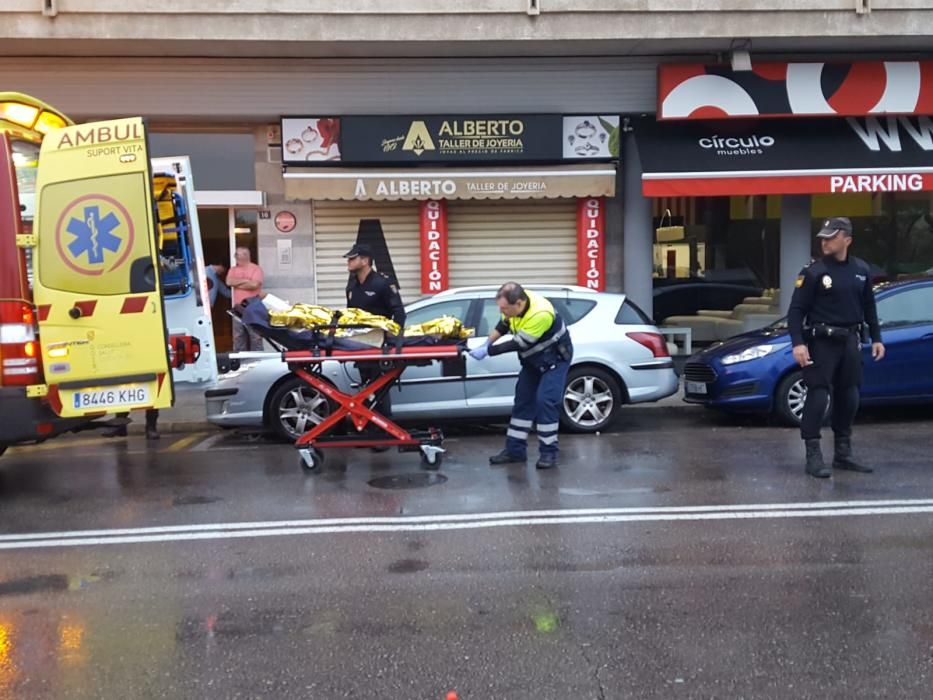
point(801, 156)
point(451, 183)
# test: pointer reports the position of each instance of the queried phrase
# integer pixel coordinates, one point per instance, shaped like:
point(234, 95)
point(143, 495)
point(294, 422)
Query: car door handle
point(928, 336)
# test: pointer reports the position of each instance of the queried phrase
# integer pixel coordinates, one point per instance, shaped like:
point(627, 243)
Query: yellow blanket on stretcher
point(306, 316)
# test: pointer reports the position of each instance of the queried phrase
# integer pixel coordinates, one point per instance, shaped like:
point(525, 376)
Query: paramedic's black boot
point(842, 457)
point(507, 458)
point(815, 466)
point(546, 462)
point(152, 432)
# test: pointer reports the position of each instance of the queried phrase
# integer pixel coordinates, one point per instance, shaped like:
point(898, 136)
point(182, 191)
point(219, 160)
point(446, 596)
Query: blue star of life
point(93, 235)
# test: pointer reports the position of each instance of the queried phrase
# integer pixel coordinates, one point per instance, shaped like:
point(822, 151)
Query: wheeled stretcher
point(355, 414)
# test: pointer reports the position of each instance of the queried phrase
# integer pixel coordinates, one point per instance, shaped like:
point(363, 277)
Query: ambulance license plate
point(113, 397)
point(695, 387)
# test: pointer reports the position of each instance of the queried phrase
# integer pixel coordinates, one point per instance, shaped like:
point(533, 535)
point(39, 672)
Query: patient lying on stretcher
point(303, 325)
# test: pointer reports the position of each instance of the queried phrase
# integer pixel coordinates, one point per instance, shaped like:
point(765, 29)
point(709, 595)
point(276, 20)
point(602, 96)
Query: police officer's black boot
point(152, 432)
point(815, 465)
point(842, 457)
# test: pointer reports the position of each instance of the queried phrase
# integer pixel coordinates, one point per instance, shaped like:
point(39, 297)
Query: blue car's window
point(457, 308)
point(907, 307)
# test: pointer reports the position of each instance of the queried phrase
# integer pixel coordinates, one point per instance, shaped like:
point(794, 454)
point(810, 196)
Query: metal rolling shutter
point(528, 241)
point(335, 229)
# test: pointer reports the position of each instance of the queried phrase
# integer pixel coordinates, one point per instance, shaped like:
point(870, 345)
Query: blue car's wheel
point(789, 399)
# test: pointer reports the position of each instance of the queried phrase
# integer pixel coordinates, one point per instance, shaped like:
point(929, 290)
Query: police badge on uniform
point(827, 282)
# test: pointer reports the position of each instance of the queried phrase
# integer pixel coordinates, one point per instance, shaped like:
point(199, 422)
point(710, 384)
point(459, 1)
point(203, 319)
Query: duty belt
point(829, 330)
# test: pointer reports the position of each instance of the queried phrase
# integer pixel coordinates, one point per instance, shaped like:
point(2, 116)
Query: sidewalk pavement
point(188, 415)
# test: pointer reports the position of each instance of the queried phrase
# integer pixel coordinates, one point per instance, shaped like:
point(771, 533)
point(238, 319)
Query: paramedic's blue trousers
point(538, 399)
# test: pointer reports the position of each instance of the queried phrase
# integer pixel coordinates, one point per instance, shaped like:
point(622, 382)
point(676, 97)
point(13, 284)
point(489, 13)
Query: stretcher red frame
point(394, 361)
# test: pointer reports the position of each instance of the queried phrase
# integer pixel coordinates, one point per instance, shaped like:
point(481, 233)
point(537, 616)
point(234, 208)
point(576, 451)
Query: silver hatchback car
point(619, 357)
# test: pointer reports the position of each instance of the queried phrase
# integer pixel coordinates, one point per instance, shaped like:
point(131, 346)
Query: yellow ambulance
point(96, 279)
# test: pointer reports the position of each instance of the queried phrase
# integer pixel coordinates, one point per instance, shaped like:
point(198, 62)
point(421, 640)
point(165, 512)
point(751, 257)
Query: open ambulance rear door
point(97, 285)
point(184, 286)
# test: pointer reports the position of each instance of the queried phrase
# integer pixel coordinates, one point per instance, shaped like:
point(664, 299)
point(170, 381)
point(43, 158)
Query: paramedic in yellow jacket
point(542, 342)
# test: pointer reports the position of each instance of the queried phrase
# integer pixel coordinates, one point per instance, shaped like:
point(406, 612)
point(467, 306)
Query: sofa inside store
point(730, 246)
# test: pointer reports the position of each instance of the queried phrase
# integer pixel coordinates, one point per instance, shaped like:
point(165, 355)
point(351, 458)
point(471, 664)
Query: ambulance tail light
point(19, 347)
point(653, 341)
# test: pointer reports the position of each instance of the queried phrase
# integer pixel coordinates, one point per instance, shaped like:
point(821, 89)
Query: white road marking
point(473, 521)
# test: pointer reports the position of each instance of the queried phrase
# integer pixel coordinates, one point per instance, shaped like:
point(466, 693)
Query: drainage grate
point(415, 480)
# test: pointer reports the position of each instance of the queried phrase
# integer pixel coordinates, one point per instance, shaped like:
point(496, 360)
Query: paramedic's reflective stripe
point(544, 344)
point(519, 429)
point(134, 305)
point(547, 433)
point(525, 340)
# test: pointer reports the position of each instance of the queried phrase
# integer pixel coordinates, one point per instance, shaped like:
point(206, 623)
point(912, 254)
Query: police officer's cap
point(360, 249)
point(833, 226)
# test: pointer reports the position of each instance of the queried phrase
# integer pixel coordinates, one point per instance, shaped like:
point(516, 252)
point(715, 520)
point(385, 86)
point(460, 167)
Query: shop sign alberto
point(363, 140)
point(451, 138)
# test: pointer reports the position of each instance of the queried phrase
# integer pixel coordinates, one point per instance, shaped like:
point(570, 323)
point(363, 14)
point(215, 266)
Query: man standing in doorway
point(375, 293)
point(245, 280)
point(833, 298)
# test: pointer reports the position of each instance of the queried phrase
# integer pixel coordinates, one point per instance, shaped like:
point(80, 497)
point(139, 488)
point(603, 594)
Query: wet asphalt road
point(656, 572)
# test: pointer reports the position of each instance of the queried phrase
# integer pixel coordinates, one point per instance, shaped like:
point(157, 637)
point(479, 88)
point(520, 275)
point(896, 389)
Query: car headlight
point(753, 353)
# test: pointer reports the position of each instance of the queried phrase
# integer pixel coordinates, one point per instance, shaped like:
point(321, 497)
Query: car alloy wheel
point(790, 399)
point(796, 398)
point(296, 408)
point(590, 400)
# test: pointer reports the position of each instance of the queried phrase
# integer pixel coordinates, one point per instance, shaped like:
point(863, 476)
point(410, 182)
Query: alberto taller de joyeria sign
point(373, 140)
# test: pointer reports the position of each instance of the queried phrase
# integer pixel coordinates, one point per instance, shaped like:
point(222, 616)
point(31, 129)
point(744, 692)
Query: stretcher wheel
point(311, 459)
point(432, 460)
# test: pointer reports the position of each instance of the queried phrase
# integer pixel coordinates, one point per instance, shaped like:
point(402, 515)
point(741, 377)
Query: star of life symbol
point(93, 235)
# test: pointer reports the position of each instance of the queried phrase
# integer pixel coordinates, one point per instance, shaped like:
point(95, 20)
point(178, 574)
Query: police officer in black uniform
point(376, 293)
point(370, 290)
point(833, 301)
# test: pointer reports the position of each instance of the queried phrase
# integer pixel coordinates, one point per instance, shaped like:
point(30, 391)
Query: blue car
point(756, 372)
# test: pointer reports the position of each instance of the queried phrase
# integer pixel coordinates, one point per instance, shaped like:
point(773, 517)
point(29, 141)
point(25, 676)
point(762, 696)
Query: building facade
point(216, 83)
